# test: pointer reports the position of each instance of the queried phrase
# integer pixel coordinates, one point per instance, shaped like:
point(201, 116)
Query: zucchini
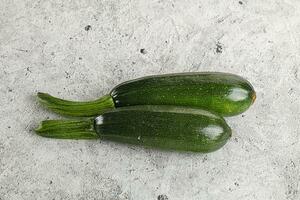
point(223, 93)
point(163, 127)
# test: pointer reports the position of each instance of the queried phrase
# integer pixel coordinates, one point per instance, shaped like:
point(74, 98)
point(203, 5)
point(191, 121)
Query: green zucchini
point(223, 93)
point(163, 127)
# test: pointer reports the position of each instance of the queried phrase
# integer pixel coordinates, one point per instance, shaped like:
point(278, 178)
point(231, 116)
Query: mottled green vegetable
point(223, 93)
point(164, 127)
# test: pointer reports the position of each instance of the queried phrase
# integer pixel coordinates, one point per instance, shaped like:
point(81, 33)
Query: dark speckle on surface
point(23, 50)
point(50, 182)
point(88, 27)
point(67, 75)
point(8, 127)
point(219, 48)
point(10, 90)
point(162, 197)
point(28, 71)
point(240, 2)
point(143, 51)
point(80, 58)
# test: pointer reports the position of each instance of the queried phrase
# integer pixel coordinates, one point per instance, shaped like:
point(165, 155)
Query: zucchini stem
point(67, 129)
point(76, 109)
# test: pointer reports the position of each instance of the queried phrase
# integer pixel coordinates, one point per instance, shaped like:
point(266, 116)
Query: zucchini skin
point(224, 93)
point(164, 127)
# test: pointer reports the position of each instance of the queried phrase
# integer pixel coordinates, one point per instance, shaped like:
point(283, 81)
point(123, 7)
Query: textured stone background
point(81, 49)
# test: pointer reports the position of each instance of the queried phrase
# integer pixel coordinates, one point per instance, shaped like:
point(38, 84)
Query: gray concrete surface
point(81, 49)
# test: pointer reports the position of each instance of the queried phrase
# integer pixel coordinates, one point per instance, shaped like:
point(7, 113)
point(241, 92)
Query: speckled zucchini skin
point(164, 127)
point(226, 94)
